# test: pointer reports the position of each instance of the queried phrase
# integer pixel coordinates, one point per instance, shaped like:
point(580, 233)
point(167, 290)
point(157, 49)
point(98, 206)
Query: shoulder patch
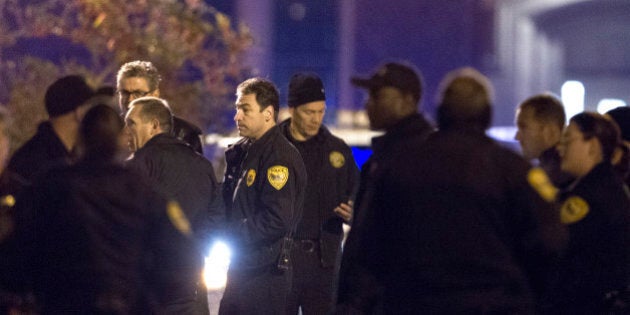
point(337, 159)
point(278, 176)
point(177, 217)
point(7, 201)
point(573, 210)
point(251, 176)
point(541, 183)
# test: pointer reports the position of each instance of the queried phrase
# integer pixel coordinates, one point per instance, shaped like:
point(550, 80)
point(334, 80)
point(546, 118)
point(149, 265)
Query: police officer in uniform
point(180, 173)
point(458, 227)
point(594, 271)
point(539, 121)
point(98, 235)
point(332, 178)
point(264, 189)
point(395, 89)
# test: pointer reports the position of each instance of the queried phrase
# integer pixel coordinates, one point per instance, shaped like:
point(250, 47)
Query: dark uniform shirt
point(596, 210)
point(97, 238)
point(264, 193)
point(42, 151)
point(175, 170)
point(355, 285)
point(332, 179)
point(456, 228)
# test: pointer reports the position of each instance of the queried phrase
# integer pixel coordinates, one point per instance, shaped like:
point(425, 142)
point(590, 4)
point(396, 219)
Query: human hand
point(345, 210)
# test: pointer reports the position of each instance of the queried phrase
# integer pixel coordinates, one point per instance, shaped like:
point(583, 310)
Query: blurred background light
point(607, 104)
point(572, 94)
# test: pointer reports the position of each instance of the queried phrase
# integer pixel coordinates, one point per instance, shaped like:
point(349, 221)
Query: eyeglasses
point(135, 94)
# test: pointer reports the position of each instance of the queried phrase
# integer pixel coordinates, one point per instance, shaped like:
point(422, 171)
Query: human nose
point(237, 115)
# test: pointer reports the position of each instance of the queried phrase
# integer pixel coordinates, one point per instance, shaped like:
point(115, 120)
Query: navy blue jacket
point(264, 193)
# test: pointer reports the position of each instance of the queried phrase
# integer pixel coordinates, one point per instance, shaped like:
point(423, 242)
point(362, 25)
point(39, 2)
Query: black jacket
point(180, 173)
point(457, 228)
point(97, 238)
point(332, 179)
point(596, 210)
point(355, 287)
point(264, 193)
point(42, 151)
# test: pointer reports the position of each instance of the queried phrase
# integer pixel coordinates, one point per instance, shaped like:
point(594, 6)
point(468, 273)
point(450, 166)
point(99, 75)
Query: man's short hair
point(465, 100)
point(140, 69)
point(155, 108)
point(266, 93)
point(594, 125)
point(546, 108)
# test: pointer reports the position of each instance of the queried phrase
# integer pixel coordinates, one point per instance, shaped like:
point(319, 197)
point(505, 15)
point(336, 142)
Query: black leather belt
point(307, 245)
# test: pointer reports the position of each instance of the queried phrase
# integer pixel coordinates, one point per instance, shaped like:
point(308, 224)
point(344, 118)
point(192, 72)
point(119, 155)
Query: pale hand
point(344, 210)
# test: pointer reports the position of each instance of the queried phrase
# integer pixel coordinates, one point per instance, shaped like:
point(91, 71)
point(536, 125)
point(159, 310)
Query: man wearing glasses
point(140, 78)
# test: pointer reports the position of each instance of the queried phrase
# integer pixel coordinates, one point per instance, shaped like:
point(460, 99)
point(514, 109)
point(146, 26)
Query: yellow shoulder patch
point(7, 201)
point(337, 159)
point(177, 217)
point(251, 176)
point(541, 183)
point(278, 176)
point(573, 210)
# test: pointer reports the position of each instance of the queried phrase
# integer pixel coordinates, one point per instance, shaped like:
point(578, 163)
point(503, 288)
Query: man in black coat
point(463, 225)
point(93, 238)
point(179, 173)
point(332, 179)
point(66, 101)
point(263, 191)
point(394, 89)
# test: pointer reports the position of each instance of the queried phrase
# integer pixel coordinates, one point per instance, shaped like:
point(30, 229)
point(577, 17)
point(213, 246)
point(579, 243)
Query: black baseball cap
point(401, 75)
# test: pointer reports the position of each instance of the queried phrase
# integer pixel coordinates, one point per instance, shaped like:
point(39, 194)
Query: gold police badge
point(278, 176)
point(573, 210)
point(177, 217)
point(251, 176)
point(336, 159)
point(539, 180)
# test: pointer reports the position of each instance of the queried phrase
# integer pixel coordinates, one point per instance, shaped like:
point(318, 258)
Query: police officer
point(98, 235)
point(539, 121)
point(594, 270)
point(395, 89)
point(332, 178)
point(264, 189)
point(457, 227)
point(180, 173)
